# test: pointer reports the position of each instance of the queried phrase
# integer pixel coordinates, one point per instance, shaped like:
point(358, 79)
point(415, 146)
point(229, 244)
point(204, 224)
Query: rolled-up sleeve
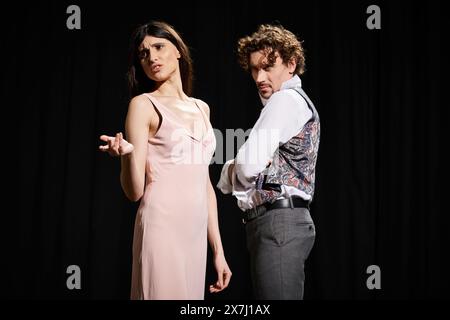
point(224, 184)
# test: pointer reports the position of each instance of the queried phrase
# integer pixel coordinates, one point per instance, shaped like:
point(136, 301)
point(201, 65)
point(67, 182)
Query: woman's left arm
point(221, 265)
point(222, 269)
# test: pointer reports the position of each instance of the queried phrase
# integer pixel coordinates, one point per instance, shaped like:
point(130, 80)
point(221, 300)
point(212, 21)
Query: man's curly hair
point(272, 39)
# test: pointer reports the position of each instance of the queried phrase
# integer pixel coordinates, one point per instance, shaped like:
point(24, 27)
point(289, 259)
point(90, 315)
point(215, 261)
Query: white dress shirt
point(283, 116)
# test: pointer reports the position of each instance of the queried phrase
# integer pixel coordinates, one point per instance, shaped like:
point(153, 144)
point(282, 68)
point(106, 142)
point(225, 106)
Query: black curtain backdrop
point(380, 192)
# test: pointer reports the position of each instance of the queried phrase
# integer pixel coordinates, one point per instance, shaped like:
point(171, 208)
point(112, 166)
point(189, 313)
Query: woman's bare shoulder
point(142, 105)
point(203, 105)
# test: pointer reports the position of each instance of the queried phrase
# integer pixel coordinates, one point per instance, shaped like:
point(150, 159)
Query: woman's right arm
point(137, 126)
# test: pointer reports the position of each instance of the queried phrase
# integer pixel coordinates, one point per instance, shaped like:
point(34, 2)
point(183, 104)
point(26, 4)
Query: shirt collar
point(293, 82)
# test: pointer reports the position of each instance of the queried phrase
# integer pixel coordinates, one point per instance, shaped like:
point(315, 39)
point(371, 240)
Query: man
point(273, 174)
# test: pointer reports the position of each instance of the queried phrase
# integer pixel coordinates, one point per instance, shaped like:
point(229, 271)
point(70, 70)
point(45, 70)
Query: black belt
point(295, 202)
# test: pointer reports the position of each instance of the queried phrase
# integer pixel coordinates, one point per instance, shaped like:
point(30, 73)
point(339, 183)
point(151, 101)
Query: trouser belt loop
point(291, 203)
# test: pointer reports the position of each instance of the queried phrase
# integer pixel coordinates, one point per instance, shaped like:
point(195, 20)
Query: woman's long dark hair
point(138, 82)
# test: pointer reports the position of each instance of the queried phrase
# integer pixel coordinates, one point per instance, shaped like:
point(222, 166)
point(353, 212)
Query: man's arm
point(280, 120)
point(225, 183)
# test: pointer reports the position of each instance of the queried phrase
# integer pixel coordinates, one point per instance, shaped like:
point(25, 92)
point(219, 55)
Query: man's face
point(268, 78)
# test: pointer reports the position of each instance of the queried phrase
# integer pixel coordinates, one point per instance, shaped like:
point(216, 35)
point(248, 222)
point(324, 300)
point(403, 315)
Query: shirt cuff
point(224, 184)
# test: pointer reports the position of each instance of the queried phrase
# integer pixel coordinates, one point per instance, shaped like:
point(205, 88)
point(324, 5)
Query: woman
point(167, 132)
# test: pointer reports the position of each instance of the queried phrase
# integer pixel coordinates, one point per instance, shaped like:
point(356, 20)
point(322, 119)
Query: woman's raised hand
point(116, 146)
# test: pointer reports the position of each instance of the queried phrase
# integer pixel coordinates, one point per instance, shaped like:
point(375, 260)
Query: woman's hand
point(116, 146)
point(223, 274)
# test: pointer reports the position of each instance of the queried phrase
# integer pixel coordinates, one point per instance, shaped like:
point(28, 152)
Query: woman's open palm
point(116, 146)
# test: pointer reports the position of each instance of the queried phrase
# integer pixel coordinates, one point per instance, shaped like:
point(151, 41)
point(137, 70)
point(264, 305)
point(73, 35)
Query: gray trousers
point(279, 243)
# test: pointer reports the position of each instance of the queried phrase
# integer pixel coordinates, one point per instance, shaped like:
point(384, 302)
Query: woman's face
point(159, 58)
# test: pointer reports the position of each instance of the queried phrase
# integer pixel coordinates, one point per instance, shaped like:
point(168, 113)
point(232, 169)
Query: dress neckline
point(178, 120)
